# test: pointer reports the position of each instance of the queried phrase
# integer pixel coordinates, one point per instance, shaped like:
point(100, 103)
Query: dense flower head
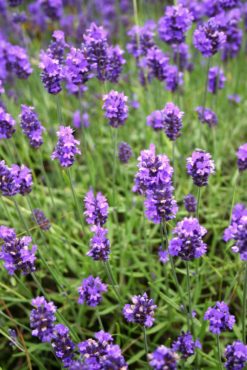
point(195, 8)
point(9, 186)
point(211, 7)
point(7, 124)
point(163, 255)
point(99, 245)
point(67, 147)
point(172, 121)
point(23, 178)
point(57, 46)
point(42, 319)
point(242, 157)
point(101, 353)
point(157, 62)
point(141, 40)
point(219, 318)
point(200, 166)
point(51, 74)
point(229, 4)
point(124, 152)
point(209, 38)
point(17, 61)
point(115, 108)
point(53, 9)
point(31, 126)
point(239, 211)
point(173, 26)
point(174, 78)
point(140, 311)
point(115, 62)
point(77, 69)
point(156, 120)
point(216, 79)
point(95, 43)
point(16, 252)
point(62, 344)
point(234, 36)
point(234, 98)
point(185, 345)
point(90, 291)
point(163, 358)
point(236, 356)
point(96, 208)
point(207, 116)
point(81, 120)
point(14, 3)
point(190, 203)
point(187, 243)
point(181, 56)
point(39, 217)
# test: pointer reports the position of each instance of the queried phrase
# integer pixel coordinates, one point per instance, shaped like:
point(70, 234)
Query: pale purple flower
point(115, 108)
point(7, 124)
point(140, 311)
point(207, 116)
point(156, 120)
point(66, 148)
point(157, 62)
point(185, 345)
point(236, 356)
point(242, 157)
point(219, 318)
point(31, 126)
point(42, 319)
point(163, 358)
point(216, 79)
point(91, 290)
point(51, 74)
point(96, 208)
point(200, 166)
point(115, 62)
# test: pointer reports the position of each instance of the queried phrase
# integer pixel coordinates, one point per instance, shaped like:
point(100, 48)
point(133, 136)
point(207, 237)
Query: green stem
point(198, 202)
point(115, 135)
point(20, 216)
point(218, 350)
point(75, 198)
point(145, 341)
point(112, 281)
point(191, 326)
point(233, 196)
point(59, 111)
point(205, 95)
point(46, 179)
point(244, 303)
point(99, 319)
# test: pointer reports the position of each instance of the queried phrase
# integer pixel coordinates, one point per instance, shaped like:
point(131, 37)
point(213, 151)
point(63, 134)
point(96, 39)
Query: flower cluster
point(141, 40)
point(62, 344)
point(16, 253)
point(15, 179)
point(90, 291)
point(66, 148)
point(207, 116)
point(53, 9)
point(185, 345)
point(236, 356)
point(174, 78)
point(190, 203)
point(172, 121)
point(77, 69)
point(234, 36)
point(173, 26)
point(81, 120)
point(52, 73)
point(157, 62)
point(242, 157)
point(156, 120)
point(57, 46)
point(7, 124)
point(200, 166)
point(115, 108)
point(188, 243)
point(42, 319)
point(99, 245)
point(181, 56)
point(124, 152)
point(163, 358)
point(140, 311)
point(31, 126)
point(219, 318)
point(229, 4)
point(115, 62)
point(39, 217)
point(14, 61)
point(216, 79)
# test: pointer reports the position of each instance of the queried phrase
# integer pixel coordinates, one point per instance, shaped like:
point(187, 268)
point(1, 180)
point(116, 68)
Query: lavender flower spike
point(66, 148)
point(31, 126)
point(42, 319)
point(124, 152)
point(7, 125)
point(63, 345)
point(190, 203)
point(236, 356)
point(207, 116)
point(200, 166)
point(115, 108)
point(216, 79)
point(172, 121)
point(219, 318)
point(242, 157)
point(140, 311)
point(90, 291)
point(186, 345)
point(163, 358)
point(96, 208)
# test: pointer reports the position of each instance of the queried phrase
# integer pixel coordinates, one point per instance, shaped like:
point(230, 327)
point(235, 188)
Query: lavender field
point(123, 175)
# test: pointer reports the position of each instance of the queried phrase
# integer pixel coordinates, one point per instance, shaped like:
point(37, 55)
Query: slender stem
point(99, 319)
point(190, 328)
point(145, 341)
point(206, 87)
point(173, 160)
point(20, 216)
point(233, 195)
point(112, 281)
point(244, 303)
point(198, 202)
point(59, 111)
point(218, 349)
point(47, 179)
point(75, 198)
point(115, 135)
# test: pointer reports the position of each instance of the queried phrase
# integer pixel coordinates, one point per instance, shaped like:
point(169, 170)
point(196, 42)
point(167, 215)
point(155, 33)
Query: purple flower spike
point(66, 148)
point(124, 152)
point(39, 217)
point(99, 245)
point(51, 74)
point(174, 78)
point(31, 126)
point(181, 56)
point(42, 319)
point(172, 121)
point(90, 291)
point(186, 345)
point(173, 26)
point(115, 108)
point(7, 125)
point(23, 177)
point(9, 186)
point(216, 80)
point(81, 121)
point(163, 358)
point(200, 166)
point(96, 208)
point(163, 255)
point(63, 345)
point(57, 46)
point(207, 116)
point(77, 69)
point(229, 4)
point(156, 120)
point(236, 356)
point(208, 38)
point(15, 252)
point(115, 62)
point(53, 9)
point(140, 311)
point(219, 318)
point(190, 203)
point(242, 157)
point(188, 243)
point(157, 63)
point(141, 40)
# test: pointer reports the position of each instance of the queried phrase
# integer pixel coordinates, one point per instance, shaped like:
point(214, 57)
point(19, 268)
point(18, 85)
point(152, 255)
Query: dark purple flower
point(207, 116)
point(181, 56)
point(53, 9)
point(14, 3)
point(77, 69)
point(90, 291)
point(39, 217)
point(31, 126)
point(140, 311)
point(66, 148)
point(216, 79)
point(20, 17)
point(57, 46)
point(163, 358)
point(209, 38)
point(124, 152)
point(229, 4)
point(157, 62)
point(173, 26)
point(115, 108)
point(99, 245)
point(234, 98)
point(63, 345)
point(219, 318)
point(172, 121)
point(115, 62)
point(156, 120)
point(200, 166)
point(236, 356)
point(141, 40)
point(239, 211)
point(242, 157)
point(7, 124)
point(15, 252)
point(163, 255)
point(234, 36)
point(211, 7)
point(23, 176)
point(51, 74)
point(195, 8)
point(17, 61)
point(9, 186)
point(186, 345)
point(190, 203)
point(96, 208)
point(173, 79)
point(188, 243)
point(42, 319)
